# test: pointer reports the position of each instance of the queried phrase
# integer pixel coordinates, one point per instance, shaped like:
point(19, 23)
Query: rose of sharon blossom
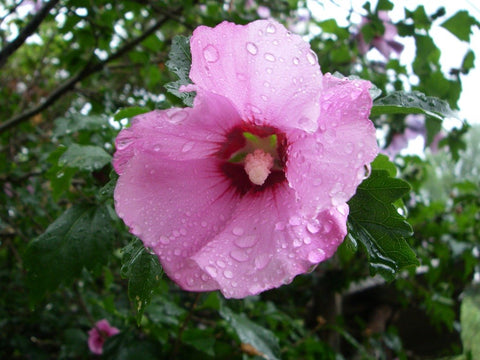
point(385, 43)
point(248, 188)
point(98, 334)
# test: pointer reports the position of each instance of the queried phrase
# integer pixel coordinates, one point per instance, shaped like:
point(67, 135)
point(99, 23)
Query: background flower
point(98, 334)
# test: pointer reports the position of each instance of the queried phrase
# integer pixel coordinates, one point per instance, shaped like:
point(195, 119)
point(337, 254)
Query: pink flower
point(248, 188)
point(385, 43)
point(98, 334)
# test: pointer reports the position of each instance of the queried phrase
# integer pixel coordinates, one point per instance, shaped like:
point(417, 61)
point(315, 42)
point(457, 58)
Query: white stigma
point(258, 165)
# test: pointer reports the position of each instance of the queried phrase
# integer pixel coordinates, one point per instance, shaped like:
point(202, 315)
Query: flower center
point(258, 165)
point(253, 157)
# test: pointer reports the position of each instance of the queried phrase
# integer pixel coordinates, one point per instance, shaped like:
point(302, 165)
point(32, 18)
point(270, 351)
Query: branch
point(88, 70)
point(31, 27)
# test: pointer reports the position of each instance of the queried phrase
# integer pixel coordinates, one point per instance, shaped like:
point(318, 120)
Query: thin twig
point(31, 27)
point(88, 70)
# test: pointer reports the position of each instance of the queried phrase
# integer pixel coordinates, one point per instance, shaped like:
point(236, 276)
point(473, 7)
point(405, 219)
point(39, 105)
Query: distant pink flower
point(248, 188)
point(98, 334)
point(414, 127)
point(386, 43)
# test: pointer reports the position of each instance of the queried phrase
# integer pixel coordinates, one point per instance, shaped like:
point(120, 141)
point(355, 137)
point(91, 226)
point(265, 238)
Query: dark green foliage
point(80, 238)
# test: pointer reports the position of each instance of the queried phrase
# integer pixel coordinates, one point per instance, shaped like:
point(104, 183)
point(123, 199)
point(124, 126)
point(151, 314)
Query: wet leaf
point(143, 272)
point(80, 238)
point(375, 223)
point(85, 157)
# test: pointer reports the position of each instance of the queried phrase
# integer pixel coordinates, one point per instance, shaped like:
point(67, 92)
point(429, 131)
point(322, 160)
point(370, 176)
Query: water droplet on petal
point(228, 274)
point(176, 117)
point(210, 53)
point(296, 61)
point(211, 270)
point(312, 57)
point(315, 256)
point(269, 70)
point(157, 147)
point(313, 228)
point(264, 97)
point(294, 220)
point(269, 57)
point(252, 48)
point(190, 281)
point(188, 146)
point(239, 255)
point(271, 29)
point(261, 261)
point(280, 226)
point(164, 240)
point(220, 263)
point(246, 241)
point(237, 231)
point(123, 143)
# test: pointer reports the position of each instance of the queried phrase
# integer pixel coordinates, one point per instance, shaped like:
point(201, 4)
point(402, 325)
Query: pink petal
point(270, 75)
point(325, 168)
point(267, 250)
point(177, 134)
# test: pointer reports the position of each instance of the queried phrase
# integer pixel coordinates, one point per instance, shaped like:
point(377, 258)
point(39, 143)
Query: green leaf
point(60, 177)
point(460, 25)
point(85, 157)
point(179, 62)
point(130, 112)
point(468, 62)
point(263, 340)
point(143, 272)
point(77, 122)
point(384, 5)
point(382, 162)
point(376, 224)
point(202, 340)
point(80, 238)
point(399, 102)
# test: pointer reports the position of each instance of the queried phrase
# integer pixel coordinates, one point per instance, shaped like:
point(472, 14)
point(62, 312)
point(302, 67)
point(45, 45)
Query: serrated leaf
point(460, 25)
point(77, 122)
point(399, 102)
point(81, 237)
point(179, 62)
point(376, 224)
point(143, 272)
point(59, 177)
point(85, 157)
point(130, 112)
point(261, 339)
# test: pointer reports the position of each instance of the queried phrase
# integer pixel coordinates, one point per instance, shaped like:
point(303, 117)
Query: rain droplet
point(211, 270)
point(177, 116)
point(237, 231)
point(315, 256)
point(312, 57)
point(269, 57)
point(164, 240)
point(157, 147)
point(188, 146)
point(296, 61)
point(228, 274)
point(239, 255)
point(123, 143)
point(220, 263)
point(190, 281)
point(264, 97)
point(271, 29)
point(246, 241)
point(252, 48)
point(269, 70)
point(210, 53)
point(294, 220)
point(280, 226)
point(261, 261)
point(313, 228)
